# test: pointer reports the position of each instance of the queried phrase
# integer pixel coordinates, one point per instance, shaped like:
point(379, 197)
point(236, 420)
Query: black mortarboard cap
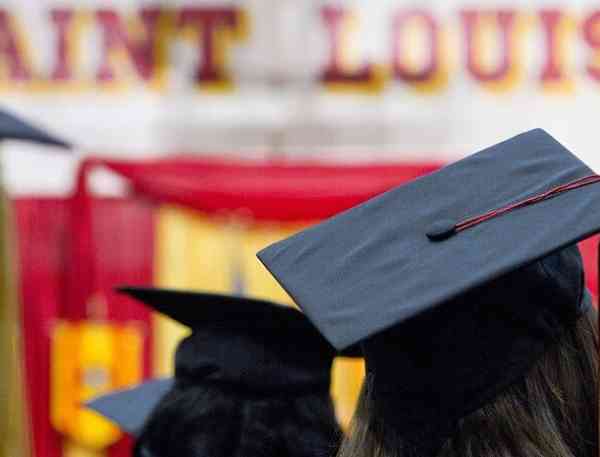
point(14, 128)
point(250, 344)
point(455, 283)
point(129, 408)
point(244, 344)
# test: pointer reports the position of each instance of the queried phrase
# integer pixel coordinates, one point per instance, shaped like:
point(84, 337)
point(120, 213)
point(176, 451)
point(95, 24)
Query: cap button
point(441, 230)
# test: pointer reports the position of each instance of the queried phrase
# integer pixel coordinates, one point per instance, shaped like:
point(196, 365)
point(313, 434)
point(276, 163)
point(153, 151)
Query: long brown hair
point(552, 412)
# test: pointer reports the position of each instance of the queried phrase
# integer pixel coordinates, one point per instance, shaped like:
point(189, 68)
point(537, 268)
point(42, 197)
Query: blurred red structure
point(122, 240)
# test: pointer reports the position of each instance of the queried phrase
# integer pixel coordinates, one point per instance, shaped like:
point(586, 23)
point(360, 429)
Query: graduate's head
point(552, 409)
point(252, 379)
point(211, 419)
point(462, 287)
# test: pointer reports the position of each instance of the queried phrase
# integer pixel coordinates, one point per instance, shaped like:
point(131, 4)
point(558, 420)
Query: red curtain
point(41, 235)
point(280, 191)
point(122, 234)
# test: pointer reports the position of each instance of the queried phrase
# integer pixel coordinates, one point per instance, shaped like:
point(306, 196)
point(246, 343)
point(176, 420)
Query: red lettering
point(334, 73)
point(10, 50)
point(552, 71)
point(505, 20)
point(62, 20)
point(142, 52)
point(591, 35)
point(430, 67)
point(208, 22)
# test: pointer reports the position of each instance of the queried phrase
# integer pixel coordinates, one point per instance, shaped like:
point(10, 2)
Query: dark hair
point(196, 420)
point(552, 411)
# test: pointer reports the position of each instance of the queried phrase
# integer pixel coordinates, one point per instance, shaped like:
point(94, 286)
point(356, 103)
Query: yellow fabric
point(88, 359)
point(14, 440)
point(218, 254)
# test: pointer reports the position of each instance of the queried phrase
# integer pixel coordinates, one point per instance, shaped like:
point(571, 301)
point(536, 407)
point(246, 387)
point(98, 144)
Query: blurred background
point(204, 130)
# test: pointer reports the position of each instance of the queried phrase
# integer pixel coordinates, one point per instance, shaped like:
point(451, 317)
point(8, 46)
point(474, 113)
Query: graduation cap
point(246, 345)
point(129, 408)
point(14, 128)
point(455, 283)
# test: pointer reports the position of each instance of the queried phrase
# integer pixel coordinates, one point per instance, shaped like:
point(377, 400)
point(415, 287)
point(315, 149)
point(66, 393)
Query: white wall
point(277, 107)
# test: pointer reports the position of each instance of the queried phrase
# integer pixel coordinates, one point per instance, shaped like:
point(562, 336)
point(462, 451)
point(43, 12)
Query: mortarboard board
point(129, 408)
point(455, 283)
point(14, 128)
point(248, 345)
